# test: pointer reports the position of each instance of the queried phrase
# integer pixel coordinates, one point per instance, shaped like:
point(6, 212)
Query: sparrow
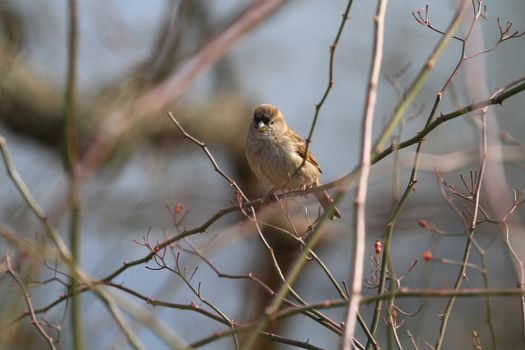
point(275, 152)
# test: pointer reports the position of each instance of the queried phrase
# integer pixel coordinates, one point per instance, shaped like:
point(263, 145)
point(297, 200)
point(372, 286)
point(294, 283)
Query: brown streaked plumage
point(275, 152)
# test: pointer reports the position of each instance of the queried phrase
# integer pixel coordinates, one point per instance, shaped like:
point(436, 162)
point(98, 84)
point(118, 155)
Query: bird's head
point(268, 119)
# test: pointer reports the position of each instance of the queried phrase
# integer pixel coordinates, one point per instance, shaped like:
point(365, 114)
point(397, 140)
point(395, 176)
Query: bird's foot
point(304, 188)
point(271, 198)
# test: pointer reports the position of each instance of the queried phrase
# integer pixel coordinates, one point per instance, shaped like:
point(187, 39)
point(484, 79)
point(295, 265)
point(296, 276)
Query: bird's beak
point(261, 126)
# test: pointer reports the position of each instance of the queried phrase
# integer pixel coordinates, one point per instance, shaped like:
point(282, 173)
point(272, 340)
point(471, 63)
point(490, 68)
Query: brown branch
point(401, 293)
point(189, 307)
point(284, 340)
point(202, 145)
point(330, 84)
point(475, 190)
point(9, 270)
point(317, 316)
point(508, 91)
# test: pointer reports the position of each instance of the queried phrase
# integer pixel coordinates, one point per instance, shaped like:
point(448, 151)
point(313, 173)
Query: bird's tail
point(326, 201)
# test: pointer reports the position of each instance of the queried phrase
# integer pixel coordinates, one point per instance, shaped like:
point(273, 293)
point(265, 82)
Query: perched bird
point(275, 152)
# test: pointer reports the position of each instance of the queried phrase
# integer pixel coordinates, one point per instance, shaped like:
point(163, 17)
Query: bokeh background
point(127, 48)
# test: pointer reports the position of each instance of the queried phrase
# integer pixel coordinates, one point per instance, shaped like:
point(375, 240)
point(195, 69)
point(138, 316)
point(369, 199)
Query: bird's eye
point(271, 123)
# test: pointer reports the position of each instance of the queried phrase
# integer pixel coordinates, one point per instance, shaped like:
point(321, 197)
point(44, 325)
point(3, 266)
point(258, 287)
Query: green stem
point(71, 151)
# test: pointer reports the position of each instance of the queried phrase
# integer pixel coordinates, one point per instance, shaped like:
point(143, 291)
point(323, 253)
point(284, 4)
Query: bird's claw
point(271, 198)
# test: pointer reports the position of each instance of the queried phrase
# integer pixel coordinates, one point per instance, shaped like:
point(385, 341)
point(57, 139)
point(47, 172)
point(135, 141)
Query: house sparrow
point(275, 152)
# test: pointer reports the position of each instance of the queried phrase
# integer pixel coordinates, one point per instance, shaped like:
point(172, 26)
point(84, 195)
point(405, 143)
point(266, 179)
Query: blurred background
point(132, 59)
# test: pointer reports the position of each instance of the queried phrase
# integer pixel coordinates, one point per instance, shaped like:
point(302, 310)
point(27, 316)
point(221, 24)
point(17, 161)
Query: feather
point(300, 148)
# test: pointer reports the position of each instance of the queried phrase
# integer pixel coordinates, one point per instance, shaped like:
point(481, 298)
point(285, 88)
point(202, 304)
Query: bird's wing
point(300, 148)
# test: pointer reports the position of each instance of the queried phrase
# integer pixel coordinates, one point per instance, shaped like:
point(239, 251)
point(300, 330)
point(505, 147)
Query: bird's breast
point(275, 161)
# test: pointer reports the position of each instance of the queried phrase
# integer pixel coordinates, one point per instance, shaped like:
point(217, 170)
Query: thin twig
point(359, 228)
point(411, 183)
point(476, 189)
point(412, 340)
point(9, 270)
point(521, 282)
point(295, 343)
point(419, 81)
point(202, 145)
point(507, 91)
point(510, 90)
point(64, 252)
point(498, 99)
point(314, 256)
point(401, 293)
point(290, 280)
point(152, 319)
point(316, 315)
point(250, 276)
point(197, 292)
point(331, 79)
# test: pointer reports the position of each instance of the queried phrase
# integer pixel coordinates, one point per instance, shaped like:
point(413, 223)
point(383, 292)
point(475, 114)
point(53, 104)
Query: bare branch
point(9, 270)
